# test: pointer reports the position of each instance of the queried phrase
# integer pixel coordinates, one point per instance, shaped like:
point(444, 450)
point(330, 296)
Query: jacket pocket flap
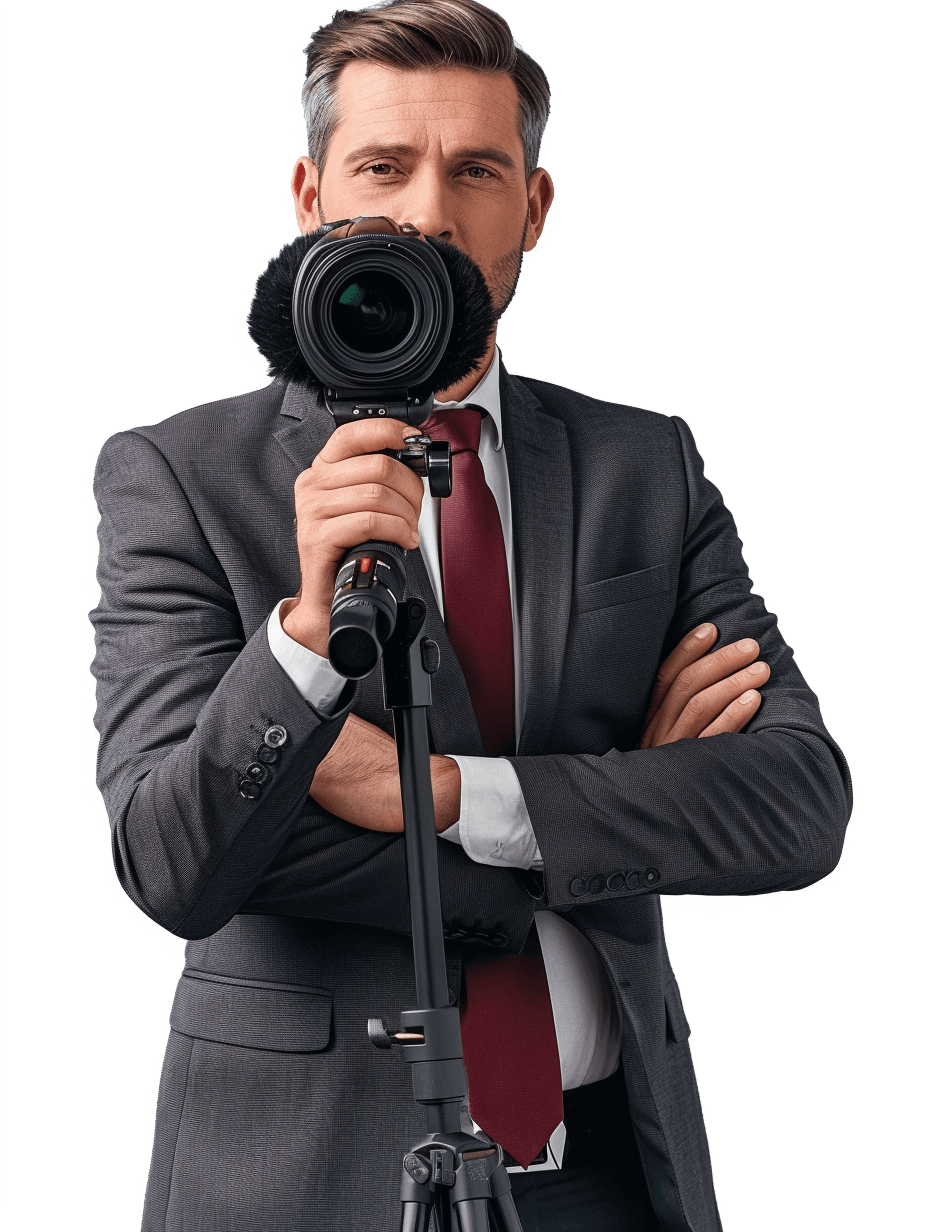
point(677, 1027)
point(251, 1013)
point(623, 589)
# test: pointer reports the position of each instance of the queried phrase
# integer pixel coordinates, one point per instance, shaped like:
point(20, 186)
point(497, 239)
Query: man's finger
point(362, 498)
point(367, 437)
point(690, 648)
point(702, 710)
point(363, 468)
point(696, 678)
point(736, 715)
point(343, 532)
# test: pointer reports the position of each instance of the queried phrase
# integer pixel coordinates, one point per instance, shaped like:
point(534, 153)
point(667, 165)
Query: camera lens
point(372, 312)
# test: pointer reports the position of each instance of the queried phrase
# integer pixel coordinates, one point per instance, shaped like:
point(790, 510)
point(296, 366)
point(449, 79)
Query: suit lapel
point(306, 428)
point(538, 459)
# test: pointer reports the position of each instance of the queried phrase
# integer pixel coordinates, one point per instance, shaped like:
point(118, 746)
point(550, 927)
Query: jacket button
point(257, 772)
point(616, 882)
point(633, 880)
point(652, 876)
point(267, 755)
point(249, 790)
point(578, 886)
point(275, 736)
point(499, 940)
point(596, 884)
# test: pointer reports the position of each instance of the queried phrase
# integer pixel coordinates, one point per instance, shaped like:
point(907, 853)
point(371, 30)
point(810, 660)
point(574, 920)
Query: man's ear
point(305, 188)
point(540, 196)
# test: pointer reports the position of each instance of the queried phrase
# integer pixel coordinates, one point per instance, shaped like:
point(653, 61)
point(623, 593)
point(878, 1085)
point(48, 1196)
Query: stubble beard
point(503, 275)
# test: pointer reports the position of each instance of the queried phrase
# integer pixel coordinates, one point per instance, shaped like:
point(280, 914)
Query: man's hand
point(359, 781)
point(700, 694)
point(351, 493)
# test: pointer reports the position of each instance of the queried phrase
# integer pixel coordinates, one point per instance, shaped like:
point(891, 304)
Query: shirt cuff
point(494, 826)
point(314, 678)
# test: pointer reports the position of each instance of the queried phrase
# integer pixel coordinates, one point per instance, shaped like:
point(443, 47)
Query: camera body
point(372, 311)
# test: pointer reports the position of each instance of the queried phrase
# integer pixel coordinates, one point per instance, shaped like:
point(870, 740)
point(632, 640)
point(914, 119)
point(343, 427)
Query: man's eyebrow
point(364, 152)
point(486, 154)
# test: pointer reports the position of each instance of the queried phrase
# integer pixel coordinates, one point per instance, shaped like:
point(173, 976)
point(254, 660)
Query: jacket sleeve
point(183, 703)
point(747, 813)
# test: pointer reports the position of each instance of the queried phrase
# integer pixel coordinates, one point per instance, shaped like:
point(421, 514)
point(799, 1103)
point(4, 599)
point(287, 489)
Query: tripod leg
point(473, 1215)
point(415, 1217)
point(507, 1214)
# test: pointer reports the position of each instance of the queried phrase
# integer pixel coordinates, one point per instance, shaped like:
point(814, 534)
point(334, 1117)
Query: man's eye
point(381, 168)
point(477, 173)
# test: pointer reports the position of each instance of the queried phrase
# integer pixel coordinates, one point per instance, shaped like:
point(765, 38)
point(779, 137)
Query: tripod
point(457, 1176)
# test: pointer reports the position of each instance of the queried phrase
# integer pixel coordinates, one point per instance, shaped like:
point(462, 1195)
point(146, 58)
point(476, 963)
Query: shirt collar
point(485, 395)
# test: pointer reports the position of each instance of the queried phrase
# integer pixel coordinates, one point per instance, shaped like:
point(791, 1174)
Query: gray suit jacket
point(274, 1110)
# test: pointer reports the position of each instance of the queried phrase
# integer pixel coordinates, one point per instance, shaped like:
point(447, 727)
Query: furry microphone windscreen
point(270, 322)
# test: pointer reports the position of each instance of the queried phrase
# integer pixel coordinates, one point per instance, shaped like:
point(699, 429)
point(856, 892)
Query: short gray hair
point(420, 34)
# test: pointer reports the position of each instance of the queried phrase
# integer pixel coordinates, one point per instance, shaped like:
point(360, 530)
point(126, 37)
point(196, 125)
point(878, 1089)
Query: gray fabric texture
point(274, 1110)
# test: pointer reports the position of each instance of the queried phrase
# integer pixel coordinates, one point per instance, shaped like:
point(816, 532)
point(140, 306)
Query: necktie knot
point(460, 427)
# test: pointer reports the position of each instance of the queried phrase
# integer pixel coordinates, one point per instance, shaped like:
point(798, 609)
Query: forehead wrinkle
point(391, 96)
point(402, 130)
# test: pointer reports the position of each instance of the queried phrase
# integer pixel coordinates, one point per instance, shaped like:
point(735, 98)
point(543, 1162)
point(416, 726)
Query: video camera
point(376, 317)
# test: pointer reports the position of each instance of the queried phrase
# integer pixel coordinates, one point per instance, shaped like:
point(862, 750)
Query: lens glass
point(373, 312)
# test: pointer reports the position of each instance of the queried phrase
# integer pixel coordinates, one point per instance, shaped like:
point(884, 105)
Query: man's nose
point(429, 208)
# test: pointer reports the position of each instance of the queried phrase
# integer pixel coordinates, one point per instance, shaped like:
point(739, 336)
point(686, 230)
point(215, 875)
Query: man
point(253, 793)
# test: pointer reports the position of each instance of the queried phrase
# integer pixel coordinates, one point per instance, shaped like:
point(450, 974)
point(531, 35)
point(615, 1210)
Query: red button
point(365, 564)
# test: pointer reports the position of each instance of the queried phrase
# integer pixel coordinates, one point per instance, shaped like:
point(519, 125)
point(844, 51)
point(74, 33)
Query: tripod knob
point(381, 1037)
point(431, 655)
point(377, 1033)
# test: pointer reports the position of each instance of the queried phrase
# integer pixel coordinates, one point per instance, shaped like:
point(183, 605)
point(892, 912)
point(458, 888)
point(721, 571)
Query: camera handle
point(457, 1175)
point(371, 579)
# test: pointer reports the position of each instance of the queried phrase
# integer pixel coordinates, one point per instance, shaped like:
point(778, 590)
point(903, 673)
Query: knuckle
point(696, 706)
point(687, 678)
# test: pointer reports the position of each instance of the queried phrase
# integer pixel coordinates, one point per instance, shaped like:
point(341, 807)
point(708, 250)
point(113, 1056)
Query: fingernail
point(747, 643)
point(746, 698)
point(757, 668)
point(703, 631)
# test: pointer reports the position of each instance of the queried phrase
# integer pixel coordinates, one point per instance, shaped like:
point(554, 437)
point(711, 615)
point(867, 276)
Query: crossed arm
point(696, 694)
point(184, 698)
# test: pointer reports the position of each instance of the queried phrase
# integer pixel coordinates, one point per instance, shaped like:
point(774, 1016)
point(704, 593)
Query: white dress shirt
point(494, 825)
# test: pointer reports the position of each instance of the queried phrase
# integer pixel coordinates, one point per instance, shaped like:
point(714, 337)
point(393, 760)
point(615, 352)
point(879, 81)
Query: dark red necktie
point(510, 1047)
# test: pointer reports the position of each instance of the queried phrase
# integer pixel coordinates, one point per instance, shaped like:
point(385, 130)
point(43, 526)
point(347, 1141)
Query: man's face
point(438, 149)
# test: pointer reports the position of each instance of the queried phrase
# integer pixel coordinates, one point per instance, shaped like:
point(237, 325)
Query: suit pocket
point(252, 1013)
point(678, 1029)
point(623, 589)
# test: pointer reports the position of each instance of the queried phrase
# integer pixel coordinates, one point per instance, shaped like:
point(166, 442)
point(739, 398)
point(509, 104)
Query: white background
point(742, 185)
